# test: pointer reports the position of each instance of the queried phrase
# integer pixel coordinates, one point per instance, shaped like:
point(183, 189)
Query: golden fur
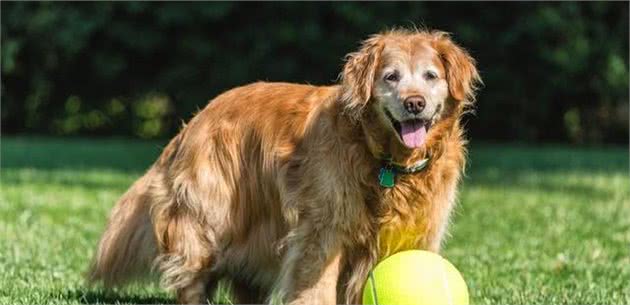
point(274, 186)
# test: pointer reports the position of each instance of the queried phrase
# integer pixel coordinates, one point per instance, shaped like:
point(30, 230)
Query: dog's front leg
point(311, 268)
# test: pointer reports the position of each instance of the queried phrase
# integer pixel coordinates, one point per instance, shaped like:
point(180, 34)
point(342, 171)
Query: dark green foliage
point(552, 71)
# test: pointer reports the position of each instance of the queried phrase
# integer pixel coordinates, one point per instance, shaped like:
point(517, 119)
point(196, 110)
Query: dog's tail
point(128, 246)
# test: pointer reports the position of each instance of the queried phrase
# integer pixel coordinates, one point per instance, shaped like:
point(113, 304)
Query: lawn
point(535, 225)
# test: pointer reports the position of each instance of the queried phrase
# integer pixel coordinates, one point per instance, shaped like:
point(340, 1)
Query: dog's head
point(412, 80)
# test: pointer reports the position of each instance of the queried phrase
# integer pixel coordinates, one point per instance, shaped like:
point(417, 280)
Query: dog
point(294, 192)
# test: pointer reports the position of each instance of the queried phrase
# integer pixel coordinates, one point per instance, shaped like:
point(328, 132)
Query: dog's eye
point(392, 77)
point(430, 75)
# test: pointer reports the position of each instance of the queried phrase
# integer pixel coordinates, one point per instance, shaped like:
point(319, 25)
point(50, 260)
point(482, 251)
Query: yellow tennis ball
point(415, 277)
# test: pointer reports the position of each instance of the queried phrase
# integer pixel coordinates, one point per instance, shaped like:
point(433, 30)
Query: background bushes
point(553, 72)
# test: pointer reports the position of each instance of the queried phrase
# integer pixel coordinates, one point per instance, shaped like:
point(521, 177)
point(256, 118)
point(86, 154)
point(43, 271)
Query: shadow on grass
point(536, 181)
point(73, 178)
point(517, 158)
point(125, 155)
point(548, 169)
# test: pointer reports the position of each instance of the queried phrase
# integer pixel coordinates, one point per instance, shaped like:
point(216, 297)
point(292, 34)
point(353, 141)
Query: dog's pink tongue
point(413, 133)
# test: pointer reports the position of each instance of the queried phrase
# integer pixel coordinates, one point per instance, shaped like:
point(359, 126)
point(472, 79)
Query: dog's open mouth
point(412, 133)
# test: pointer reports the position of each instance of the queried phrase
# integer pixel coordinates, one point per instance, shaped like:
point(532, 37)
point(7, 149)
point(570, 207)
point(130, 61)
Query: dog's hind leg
point(187, 220)
point(186, 261)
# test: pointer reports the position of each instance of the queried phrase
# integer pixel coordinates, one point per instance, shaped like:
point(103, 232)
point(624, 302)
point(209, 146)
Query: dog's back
point(222, 170)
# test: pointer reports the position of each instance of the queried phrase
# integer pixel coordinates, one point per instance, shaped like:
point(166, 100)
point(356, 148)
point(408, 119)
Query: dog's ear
point(461, 73)
point(359, 72)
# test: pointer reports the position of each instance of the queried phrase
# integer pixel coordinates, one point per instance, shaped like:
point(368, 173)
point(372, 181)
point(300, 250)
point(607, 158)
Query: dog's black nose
point(414, 104)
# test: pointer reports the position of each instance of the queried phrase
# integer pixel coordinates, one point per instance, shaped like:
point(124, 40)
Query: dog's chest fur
point(415, 212)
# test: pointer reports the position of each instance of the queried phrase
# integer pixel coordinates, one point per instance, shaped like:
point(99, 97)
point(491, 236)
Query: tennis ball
point(415, 277)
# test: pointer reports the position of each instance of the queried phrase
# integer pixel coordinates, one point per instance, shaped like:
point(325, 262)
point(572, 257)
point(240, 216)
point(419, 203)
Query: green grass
point(546, 225)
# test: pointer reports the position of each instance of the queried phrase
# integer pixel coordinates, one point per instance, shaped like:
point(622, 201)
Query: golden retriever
point(294, 192)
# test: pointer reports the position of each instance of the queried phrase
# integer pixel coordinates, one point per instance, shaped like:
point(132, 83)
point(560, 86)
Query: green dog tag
point(386, 177)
